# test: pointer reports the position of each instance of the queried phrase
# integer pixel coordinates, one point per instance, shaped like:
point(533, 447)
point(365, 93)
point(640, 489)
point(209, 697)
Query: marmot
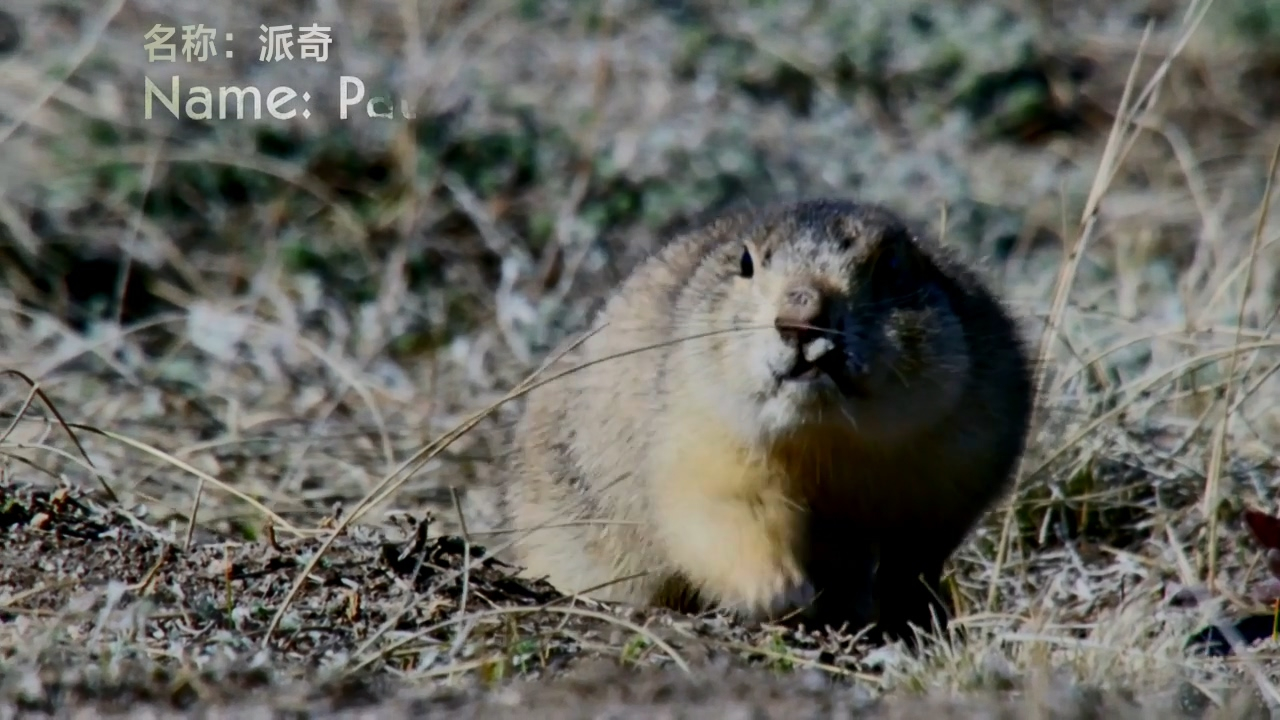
point(811, 406)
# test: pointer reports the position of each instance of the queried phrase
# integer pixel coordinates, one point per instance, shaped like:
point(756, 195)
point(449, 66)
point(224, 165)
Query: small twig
point(10, 603)
point(156, 452)
point(191, 521)
point(142, 587)
point(466, 550)
point(582, 612)
point(35, 389)
point(1213, 481)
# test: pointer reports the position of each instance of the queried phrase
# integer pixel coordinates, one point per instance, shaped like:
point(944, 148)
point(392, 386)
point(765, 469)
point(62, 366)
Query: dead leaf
point(1265, 528)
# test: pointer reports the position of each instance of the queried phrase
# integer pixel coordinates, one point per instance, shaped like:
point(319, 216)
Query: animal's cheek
point(886, 353)
point(750, 354)
point(763, 313)
point(883, 357)
point(770, 354)
point(909, 341)
point(909, 331)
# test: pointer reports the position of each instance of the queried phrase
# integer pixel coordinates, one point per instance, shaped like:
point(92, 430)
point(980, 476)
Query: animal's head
point(834, 313)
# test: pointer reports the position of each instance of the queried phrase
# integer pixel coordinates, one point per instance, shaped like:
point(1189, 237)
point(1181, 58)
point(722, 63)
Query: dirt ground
point(256, 369)
point(100, 572)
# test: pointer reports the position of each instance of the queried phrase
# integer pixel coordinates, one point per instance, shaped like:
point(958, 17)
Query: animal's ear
point(896, 262)
point(753, 256)
point(747, 262)
point(901, 255)
point(896, 249)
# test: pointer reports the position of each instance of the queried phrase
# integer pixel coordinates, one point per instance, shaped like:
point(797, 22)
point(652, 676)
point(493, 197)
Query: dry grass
point(296, 347)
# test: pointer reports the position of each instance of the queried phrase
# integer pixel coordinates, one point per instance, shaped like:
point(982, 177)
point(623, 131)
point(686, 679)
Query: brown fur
point(695, 467)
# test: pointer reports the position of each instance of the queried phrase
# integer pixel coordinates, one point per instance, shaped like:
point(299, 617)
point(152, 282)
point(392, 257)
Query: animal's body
point(828, 403)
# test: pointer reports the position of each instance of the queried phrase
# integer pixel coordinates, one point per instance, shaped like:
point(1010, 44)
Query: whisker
point(646, 348)
point(788, 325)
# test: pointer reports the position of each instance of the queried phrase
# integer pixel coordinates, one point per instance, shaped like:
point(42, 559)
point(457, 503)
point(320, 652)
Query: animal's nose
point(802, 317)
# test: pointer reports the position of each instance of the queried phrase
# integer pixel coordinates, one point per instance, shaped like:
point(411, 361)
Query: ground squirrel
point(833, 402)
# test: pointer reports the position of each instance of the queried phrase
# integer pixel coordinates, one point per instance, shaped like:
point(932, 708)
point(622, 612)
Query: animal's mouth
point(802, 370)
point(833, 366)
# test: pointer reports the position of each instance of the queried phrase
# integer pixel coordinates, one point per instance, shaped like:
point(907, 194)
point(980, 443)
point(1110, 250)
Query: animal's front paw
point(773, 596)
point(798, 595)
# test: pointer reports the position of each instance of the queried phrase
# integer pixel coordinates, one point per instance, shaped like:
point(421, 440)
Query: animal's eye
point(746, 266)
